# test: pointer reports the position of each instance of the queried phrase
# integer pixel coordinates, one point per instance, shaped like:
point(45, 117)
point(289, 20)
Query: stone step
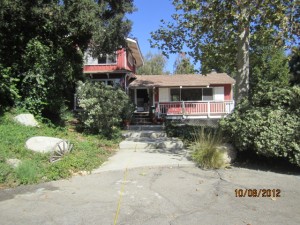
point(146, 127)
point(149, 134)
point(149, 143)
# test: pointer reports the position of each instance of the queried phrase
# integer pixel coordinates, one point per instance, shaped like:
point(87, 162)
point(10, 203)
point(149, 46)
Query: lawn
point(89, 152)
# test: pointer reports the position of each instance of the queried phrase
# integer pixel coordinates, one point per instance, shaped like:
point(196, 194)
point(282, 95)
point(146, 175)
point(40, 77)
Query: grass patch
point(205, 150)
point(89, 152)
point(27, 172)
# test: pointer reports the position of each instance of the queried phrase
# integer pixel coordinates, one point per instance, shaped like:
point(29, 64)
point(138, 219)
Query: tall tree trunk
point(242, 79)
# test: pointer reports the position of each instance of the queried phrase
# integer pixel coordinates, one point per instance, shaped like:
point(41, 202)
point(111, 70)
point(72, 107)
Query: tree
point(295, 66)
point(267, 123)
point(183, 65)
point(153, 64)
point(60, 31)
point(269, 68)
point(218, 31)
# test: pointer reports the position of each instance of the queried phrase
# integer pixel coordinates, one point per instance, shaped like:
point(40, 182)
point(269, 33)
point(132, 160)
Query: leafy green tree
point(64, 29)
point(218, 32)
point(268, 122)
point(269, 68)
point(295, 66)
point(153, 64)
point(183, 65)
point(37, 79)
point(8, 90)
point(102, 107)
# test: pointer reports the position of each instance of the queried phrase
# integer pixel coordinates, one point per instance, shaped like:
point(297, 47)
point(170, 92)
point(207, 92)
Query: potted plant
point(127, 113)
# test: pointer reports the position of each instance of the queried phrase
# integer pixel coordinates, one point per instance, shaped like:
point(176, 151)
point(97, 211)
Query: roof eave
point(135, 49)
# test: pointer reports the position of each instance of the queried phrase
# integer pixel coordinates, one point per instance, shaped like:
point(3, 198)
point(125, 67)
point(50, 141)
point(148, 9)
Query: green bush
point(205, 150)
point(269, 124)
point(102, 107)
point(27, 172)
point(8, 88)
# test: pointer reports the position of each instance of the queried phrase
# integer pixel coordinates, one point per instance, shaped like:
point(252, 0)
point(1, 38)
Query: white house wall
point(218, 93)
point(164, 95)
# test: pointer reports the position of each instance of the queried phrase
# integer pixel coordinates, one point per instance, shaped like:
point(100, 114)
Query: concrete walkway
point(147, 148)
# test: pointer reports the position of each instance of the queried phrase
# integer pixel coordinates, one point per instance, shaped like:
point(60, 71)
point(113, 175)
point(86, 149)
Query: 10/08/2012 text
point(258, 193)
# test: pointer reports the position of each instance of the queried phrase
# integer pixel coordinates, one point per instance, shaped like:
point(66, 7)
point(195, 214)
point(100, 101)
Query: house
point(191, 96)
point(118, 68)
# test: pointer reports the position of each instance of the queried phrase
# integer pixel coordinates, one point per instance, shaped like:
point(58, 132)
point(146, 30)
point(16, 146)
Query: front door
point(142, 100)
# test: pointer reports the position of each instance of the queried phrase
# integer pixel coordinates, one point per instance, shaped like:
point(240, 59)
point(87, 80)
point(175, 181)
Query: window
point(192, 94)
point(107, 59)
point(175, 95)
point(208, 94)
point(110, 82)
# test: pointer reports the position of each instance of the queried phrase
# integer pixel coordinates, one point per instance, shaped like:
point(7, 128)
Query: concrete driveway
point(156, 187)
point(155, 195)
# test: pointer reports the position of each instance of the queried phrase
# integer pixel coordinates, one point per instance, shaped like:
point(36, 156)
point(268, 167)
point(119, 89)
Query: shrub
point(8, 88)
point(268, 125)
point(27, 172)
point(205, 150)
point(102, 107)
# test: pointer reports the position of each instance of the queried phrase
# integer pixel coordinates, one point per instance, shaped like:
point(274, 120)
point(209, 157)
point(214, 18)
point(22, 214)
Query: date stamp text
point(271, 193)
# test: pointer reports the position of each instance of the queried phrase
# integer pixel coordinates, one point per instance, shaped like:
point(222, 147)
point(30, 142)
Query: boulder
point(26, 119)
point(44, 144)
point(229, 153)
point(13, 162)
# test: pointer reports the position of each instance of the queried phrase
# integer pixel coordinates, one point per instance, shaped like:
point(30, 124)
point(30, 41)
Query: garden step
point(146, 127)
point(150, 143)
point(149, 134)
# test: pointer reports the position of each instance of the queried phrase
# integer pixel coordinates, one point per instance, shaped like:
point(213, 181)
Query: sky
point(146, 19)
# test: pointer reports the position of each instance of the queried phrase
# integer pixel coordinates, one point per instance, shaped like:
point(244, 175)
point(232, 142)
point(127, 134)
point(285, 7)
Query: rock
point(13, 162)
point(44, 144)
point(229, 153)
point(26, 119)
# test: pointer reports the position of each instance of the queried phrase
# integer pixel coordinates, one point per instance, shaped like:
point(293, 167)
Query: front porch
point(193, 109)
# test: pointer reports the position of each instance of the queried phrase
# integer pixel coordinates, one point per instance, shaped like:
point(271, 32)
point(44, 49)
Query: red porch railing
point(195, 108)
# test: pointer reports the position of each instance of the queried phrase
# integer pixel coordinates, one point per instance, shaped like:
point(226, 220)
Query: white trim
point(125, 59)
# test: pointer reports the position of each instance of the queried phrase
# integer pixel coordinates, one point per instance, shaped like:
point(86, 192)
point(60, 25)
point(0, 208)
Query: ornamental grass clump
point(205, 150)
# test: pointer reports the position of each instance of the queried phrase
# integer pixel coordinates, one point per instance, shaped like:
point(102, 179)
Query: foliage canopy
point(42, 44)
point(154, 64)
point(217, 33)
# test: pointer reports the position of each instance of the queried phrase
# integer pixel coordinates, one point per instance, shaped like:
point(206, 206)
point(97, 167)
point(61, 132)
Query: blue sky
point(147, 19)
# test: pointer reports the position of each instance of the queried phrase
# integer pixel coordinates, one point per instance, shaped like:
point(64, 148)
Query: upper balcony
point(123, 60)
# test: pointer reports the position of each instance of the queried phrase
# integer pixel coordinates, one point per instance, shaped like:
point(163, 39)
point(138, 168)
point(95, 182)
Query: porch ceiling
point(186, 80)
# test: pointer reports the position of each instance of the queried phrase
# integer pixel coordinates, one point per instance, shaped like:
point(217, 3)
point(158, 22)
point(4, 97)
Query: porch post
point(158, 110)
point(208, 109)
point(153, 97)
point(135, 101)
